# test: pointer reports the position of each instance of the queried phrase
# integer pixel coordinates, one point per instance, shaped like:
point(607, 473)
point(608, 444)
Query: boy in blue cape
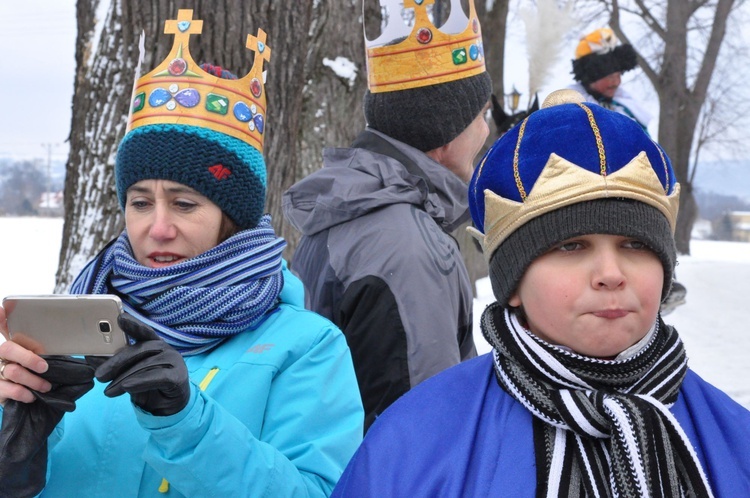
point(587, 391)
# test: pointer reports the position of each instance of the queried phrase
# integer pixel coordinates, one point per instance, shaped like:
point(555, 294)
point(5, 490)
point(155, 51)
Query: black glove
point(26, 426)
point(151, 371)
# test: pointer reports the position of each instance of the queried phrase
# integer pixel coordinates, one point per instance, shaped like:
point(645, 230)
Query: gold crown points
point(427, 55)
point(563, 183)
point(178, 91)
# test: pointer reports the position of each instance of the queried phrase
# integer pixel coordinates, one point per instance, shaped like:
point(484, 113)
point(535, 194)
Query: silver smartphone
point(83, 325)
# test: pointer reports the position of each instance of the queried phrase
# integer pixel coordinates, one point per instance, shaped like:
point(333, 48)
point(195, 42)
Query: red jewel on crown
point(424, 35)
point(177, 67)
point(256, 87)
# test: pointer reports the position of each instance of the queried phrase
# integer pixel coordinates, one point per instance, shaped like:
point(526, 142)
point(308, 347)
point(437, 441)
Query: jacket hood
point(356, 181)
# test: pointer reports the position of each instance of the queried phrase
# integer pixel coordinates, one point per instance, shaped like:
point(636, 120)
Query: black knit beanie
point(593, 67)
point(428, 117)
point(625, 217)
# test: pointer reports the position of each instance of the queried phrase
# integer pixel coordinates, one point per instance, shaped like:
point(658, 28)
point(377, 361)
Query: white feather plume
point(545, 30)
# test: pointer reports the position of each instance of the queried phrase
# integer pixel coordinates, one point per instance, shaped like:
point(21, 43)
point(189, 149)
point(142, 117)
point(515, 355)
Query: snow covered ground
point(714, 323)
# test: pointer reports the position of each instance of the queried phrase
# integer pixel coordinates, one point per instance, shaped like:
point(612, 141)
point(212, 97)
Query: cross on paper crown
point(178, 91)
point(427, 55)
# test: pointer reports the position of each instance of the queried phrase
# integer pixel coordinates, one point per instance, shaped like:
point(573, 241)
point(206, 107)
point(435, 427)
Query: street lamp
point(512, 98)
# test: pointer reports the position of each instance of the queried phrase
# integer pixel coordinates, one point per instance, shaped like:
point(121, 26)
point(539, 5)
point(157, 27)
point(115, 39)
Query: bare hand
point(19, 368)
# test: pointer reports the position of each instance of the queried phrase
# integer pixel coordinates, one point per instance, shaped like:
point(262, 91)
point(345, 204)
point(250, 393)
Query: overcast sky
point(37, 43)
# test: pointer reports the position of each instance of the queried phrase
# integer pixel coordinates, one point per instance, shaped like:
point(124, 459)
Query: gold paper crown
point(178, 91)
point(427, 55)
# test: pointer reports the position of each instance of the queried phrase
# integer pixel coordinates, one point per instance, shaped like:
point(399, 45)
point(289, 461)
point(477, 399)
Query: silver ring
point(3, 364)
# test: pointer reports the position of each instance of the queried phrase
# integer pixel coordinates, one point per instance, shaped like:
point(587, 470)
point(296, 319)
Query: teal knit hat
point(228, 171)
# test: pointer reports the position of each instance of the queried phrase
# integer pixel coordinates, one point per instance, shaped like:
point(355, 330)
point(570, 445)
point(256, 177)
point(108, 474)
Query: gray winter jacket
point(376, 258)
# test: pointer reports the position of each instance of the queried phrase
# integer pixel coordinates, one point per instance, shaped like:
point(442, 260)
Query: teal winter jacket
point(273, 412)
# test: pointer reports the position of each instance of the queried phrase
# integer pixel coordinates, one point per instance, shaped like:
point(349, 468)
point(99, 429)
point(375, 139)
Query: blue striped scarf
point(197, 303)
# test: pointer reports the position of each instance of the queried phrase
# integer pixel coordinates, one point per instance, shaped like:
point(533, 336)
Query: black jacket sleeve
point(369, 316)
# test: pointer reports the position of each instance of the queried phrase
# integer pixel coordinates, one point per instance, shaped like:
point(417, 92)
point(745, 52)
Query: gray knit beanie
point(431, 116)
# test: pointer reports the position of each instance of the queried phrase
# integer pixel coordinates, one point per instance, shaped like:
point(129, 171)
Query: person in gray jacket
point(376, 255)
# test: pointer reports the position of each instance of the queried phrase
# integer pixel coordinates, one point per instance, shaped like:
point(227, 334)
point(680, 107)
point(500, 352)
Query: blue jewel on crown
point(474, 52)
point(183, 26)
point(259, 123)
point(249, 114)
point(189, 97)
point(242, 112)
point(159, 97)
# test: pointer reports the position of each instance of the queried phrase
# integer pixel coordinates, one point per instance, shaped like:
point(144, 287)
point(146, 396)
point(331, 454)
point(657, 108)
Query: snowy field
point(714, 323)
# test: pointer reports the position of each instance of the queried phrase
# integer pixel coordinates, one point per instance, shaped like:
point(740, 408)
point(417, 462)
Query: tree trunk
point(332, 114)
point(493, 24)
point(100, 104)
point(300, 37)
point(676, 120)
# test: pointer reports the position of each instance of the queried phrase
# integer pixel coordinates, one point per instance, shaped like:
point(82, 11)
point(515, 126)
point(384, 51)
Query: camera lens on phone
point(105, 327)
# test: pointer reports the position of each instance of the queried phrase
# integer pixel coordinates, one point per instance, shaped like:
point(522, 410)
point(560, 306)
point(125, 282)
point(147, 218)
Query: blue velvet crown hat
point(570, 169)
point(201, 126)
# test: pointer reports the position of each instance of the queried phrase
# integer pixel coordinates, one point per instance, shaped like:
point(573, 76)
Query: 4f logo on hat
point(219, 171)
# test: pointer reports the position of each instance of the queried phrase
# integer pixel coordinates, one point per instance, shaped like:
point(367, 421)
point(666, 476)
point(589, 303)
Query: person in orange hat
point(600, 60)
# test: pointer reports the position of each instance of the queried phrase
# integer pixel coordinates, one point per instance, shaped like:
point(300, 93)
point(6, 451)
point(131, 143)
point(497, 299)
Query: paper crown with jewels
point(178, 91)
point(199, 126)
point(404, 57)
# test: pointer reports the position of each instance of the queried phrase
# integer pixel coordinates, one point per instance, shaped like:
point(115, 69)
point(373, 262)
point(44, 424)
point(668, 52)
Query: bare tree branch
point(650, 20)
point(723, 8)
point(678, 43)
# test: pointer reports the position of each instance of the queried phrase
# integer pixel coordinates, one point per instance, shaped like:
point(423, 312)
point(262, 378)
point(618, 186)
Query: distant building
point(733, 225)
point(52, 204)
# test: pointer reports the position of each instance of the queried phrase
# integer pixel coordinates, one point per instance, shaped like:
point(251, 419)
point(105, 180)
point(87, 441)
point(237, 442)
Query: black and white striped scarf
point(197, 303)
point(602, 428)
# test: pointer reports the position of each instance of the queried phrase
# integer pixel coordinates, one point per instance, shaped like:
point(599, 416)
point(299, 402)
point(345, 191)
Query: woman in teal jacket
point(274, 412)
point(234, 389)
